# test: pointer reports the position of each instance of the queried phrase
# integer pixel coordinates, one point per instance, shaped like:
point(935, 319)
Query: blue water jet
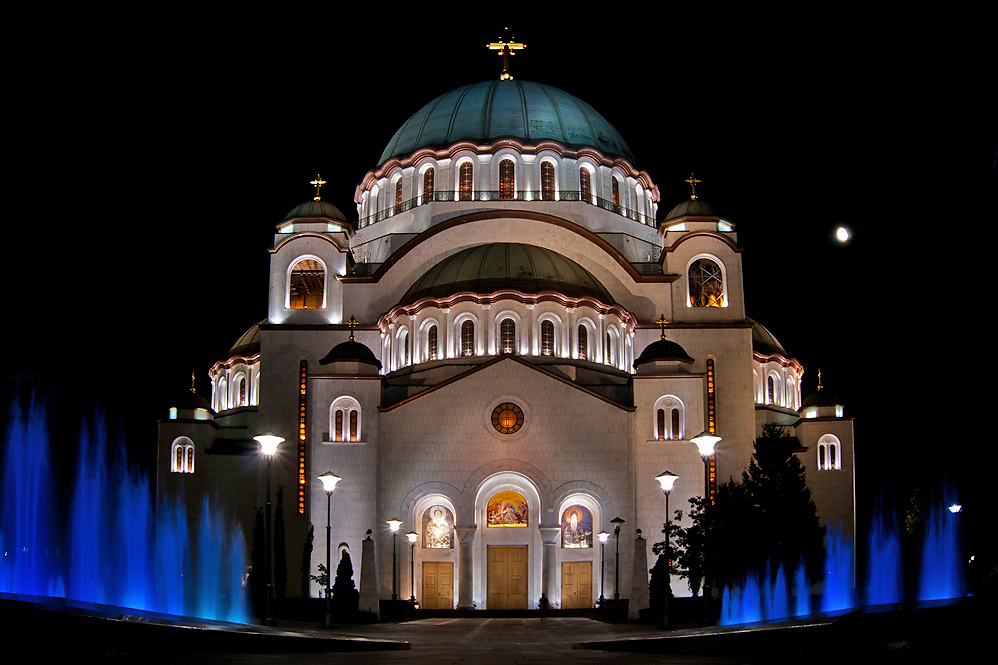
point(118, 551)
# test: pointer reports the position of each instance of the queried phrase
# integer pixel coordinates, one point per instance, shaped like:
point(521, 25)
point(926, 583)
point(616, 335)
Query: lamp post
point(412, 536)
point(616, 522)
point(329, 480)
point(603, 535)
point(268, 447)
point(394, 526)
point(667, 479)
point(705, 442)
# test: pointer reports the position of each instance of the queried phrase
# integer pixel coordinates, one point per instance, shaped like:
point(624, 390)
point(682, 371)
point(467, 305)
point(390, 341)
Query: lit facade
point(503, 351)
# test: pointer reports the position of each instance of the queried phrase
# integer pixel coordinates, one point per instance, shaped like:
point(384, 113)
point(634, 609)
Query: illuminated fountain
point(117, 550)
point(770, 598)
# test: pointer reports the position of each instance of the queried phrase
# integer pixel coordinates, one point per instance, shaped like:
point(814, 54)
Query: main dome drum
point(492, 110)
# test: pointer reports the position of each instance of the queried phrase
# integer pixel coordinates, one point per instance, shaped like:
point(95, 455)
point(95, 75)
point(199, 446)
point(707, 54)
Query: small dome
point(351, 351)
point(316, 209)
point(821, 397)
point(664, 350)
point(248, 343)
point(764, 342)
point(693, 208)
point(191, 400)
point(491, 110)
point(498, 266)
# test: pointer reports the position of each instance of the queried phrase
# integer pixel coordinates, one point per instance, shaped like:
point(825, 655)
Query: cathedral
point(501, 350)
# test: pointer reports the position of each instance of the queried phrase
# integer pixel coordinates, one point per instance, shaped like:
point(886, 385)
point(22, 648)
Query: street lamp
point(705, 442)
point(667, 479)
point(412, 536)
point(268, 447)
point(394, 526)
point(616, 522)
point(329, 480)
point(603, 535)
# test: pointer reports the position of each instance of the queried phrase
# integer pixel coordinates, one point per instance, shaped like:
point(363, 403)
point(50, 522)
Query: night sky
point(153, 162)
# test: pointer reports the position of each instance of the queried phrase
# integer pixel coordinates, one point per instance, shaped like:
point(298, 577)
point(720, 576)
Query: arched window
point(770, 391)
point(404, 358)
point(585, 186)
point(615, 191)
point(706, 284)
point(431, 343)
point(465, 184)
point(829, 453)
point(223, 394)
point(506, 179)
point(428, 185)
point(182, 455)
point(345, 420)
point(398, 192)
point(468, 338)
point(307, 285)
point(547, 181)
point(669, 418)
point(547, 338)
point(240, 390)
point(583, 343)
point(507, 336)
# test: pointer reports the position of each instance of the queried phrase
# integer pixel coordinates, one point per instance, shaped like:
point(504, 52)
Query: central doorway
point(507, 577)
point(576, 585)
point(438, 585)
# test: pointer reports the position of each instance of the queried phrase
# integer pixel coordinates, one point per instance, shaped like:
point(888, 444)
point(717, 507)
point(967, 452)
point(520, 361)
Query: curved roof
point(663, 349)
point(316, 209)
point(692, 207)
point(821, 397)
point(498, 266)
point(248, 343)
point(351, 351)
point(765, 342)
point(491, 110)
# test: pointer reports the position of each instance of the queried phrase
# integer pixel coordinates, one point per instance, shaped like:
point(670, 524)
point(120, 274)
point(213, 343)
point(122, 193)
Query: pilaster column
point(549, 577)
point(466, 576)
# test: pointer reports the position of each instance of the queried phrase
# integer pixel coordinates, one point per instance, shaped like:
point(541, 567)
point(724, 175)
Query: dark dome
point(316, 209)
point(248, 343)
point(491, 110)
point(351, 351)
point(663, 350)
point(764, 342)
point(694, 208)
point(821, 397)
point(498, 266)
point(191, 400)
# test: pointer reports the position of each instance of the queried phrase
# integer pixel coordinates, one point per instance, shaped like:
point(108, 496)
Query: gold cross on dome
point(693, 183)
point(353, 323)
point(819, 378)
point(662, 321)
point(506, 48)
point(192, 381)
point(317, 183)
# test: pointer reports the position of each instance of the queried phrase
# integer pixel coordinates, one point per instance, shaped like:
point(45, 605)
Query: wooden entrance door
point(507, 577)
point(576, 584)
point(438, 585)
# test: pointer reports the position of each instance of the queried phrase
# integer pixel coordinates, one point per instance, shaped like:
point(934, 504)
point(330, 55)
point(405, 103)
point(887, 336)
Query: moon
point(842, 234)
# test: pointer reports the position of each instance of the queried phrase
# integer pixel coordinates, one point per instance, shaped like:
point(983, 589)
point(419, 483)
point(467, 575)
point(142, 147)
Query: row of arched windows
point(509, 340)
point(237, 393)
point(547, 185)
point(775, 391)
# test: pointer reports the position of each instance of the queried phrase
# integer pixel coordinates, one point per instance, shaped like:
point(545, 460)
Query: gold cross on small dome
point(693, 183)
point(506, 48)
point(353, 323)
point(662, 321)
point(317, 183)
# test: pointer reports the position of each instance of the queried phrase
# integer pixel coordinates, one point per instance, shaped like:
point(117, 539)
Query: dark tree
point(280, 556)
point(345, 594)
point(306, 560)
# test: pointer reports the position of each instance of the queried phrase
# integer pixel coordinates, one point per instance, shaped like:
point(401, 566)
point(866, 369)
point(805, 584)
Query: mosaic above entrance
point(576, 527)
point(506, 509)
point(438, 528)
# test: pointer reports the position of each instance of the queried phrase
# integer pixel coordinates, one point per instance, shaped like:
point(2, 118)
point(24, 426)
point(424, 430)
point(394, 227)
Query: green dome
point(492, 110)
point(314, 208)
point(499, 266)
point(351, 351)
point(694, 208)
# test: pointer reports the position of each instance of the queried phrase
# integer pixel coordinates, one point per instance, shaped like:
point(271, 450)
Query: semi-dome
point(764, 342)
point(491, 110)
point(351, 351)
point(315, 209)
point(498, 266)
point(248, 343)
point(692, 208)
